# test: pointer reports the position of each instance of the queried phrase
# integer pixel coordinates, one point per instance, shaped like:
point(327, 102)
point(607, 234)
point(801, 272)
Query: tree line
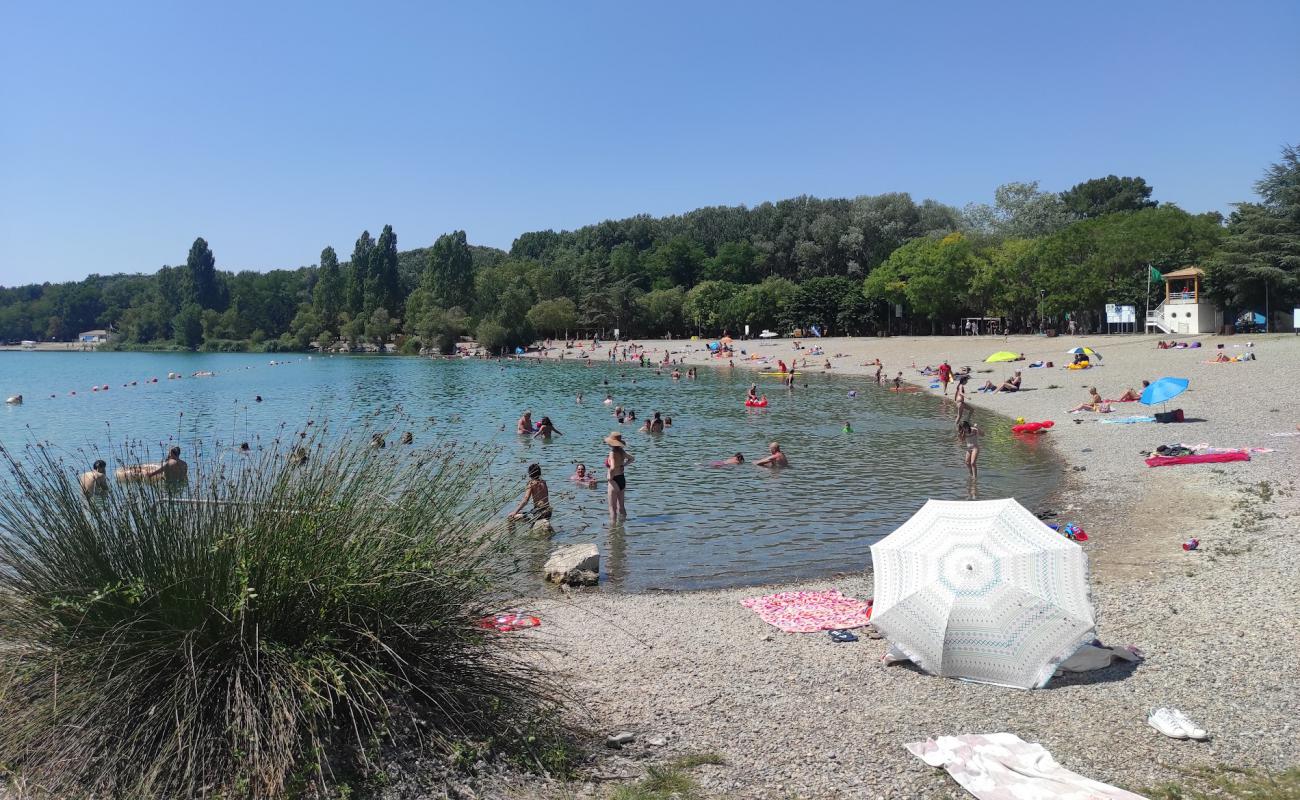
point(851, 266)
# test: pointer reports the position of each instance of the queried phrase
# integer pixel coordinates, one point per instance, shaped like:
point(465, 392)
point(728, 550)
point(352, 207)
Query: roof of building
point(1185, 272)
point(93, 333)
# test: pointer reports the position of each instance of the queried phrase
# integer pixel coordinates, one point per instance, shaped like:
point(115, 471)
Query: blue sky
point(274, 129)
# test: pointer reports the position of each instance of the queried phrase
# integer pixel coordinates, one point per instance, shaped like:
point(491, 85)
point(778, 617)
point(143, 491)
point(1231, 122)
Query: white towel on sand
point(1002, 766)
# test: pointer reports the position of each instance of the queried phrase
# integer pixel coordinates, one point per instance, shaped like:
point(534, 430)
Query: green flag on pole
point(1155, 274)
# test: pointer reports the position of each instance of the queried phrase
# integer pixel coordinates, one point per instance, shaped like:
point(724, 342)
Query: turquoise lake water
point(692, 525)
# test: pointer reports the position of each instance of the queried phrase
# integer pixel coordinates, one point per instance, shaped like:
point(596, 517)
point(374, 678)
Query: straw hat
point(615, 439)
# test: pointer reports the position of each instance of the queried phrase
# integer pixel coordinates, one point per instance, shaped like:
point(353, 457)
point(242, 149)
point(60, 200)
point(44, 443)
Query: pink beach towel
point(809, 612)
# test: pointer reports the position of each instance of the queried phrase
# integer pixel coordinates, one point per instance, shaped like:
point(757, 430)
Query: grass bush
point(259, 632)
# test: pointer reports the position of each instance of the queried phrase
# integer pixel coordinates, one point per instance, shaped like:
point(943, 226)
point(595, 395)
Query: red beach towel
point(1198, 458)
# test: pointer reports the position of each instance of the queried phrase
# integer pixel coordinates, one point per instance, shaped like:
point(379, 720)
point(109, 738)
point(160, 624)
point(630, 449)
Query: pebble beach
point(800, 716)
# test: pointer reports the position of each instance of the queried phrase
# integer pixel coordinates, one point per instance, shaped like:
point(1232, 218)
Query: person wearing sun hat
point(615, 463)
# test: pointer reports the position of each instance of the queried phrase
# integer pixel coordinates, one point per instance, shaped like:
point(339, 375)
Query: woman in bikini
point(615, 463)
point(959, 396)
point(968, 433)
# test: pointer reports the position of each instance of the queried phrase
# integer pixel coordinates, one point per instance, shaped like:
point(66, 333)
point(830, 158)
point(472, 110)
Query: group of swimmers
point(173, 470)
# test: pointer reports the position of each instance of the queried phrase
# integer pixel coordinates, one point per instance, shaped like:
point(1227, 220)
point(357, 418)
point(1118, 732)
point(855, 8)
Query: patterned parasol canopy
point(982, 590)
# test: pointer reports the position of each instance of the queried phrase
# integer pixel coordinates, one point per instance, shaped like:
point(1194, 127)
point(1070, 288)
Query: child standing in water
point(968, 433)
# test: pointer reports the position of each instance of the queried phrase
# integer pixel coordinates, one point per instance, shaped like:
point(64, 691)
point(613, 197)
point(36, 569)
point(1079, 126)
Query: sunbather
point(1095, 403)
point(1130, 395)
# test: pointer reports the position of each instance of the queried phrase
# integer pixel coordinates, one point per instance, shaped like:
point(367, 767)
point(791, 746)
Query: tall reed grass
point(259, 631)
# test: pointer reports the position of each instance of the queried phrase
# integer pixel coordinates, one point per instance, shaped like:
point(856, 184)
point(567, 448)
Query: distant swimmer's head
point(774, 447)
point(100, 467)
point(175, 452)
point(257, 399)
point(534, 471)
point(740, 458)
point(244, 448)
point(408, 437)
point(546, 421)
point(298, 456)
point(581, 469)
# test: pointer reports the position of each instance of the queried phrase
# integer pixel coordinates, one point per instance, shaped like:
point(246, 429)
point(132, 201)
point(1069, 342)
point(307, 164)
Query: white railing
point(1156, 319)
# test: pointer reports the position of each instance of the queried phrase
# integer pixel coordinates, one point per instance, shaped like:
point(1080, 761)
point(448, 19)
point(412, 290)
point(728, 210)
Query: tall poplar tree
point(383, 284)
point(205, 285)
point(449, 276)
point(359, 274)
point(328, 296)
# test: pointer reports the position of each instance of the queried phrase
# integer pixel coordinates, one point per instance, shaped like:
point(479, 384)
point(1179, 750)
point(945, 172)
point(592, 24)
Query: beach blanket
point(1127, 420)
point(1002, 766)
point(810, 612)
point(1199, 458)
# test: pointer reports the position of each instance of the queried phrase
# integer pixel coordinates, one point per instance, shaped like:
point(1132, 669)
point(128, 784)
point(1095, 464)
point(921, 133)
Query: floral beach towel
point(809, 612)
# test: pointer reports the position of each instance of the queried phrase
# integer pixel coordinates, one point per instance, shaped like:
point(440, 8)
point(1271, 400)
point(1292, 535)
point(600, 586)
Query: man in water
point(775, 457)
point(96, 480)
point(539, 493)
point(172, 469)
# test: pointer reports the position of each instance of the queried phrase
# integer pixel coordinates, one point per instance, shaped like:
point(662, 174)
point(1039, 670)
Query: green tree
point(737, 262)
point(328, 294)
point(1109, 195)
point(554, 317)
point(359, 274)
point(492, 336)
point(817, 301)
point(660, 312)
point(306, 327)
point(449, 275)
point(205, 284)
point(1019, 209)
point(188, 326)
point(1259, 263)
point(383, 284)
point(379, 326)
point(703, 304)
point(676, 262)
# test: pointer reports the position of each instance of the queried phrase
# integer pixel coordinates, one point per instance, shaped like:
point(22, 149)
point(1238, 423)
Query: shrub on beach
point(266, 629)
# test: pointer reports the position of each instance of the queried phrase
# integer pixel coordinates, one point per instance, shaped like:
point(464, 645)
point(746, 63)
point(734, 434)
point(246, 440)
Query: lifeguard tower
point(1185, 309)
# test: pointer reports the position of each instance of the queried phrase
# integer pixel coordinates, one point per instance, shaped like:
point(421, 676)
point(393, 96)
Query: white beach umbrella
point(982, 590)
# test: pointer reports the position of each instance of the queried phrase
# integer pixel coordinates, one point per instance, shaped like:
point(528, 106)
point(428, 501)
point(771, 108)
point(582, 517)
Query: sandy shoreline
point(796, 715)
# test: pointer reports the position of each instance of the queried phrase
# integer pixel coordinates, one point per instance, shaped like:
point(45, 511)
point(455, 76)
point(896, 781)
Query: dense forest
point(851, 266)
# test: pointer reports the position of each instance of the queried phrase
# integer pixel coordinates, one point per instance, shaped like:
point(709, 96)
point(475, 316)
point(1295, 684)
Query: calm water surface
point(692, 525)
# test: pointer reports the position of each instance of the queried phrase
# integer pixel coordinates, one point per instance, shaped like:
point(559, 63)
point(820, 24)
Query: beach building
point(1185, 309)
point(92, 337)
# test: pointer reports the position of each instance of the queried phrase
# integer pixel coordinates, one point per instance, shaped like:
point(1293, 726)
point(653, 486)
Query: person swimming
point(525, 424)
point(582, 476)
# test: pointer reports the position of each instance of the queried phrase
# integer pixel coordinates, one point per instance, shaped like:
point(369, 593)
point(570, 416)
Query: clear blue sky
point(274, 129)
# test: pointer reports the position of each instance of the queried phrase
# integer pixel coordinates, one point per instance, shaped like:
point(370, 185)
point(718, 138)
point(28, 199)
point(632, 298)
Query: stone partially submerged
point(574, 564)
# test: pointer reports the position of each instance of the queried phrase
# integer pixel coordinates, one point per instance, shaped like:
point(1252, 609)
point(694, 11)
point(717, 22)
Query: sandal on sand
point(841, 636)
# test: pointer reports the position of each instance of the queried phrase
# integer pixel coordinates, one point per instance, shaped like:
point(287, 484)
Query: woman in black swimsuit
point(617, 461)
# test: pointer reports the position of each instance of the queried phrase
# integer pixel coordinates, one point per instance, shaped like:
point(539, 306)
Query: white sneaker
point(1163, 720)
point(1192, 730)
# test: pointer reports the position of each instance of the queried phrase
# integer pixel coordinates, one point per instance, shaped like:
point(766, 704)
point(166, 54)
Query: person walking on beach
point(96, 480)
point(945, 375)
point(775, 457)
point(879, 369)
point(968, 433)
point(615, 464)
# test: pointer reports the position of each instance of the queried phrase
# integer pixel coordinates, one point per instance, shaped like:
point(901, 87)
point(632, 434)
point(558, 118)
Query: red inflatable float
point(756, 403)
point(1032, 427)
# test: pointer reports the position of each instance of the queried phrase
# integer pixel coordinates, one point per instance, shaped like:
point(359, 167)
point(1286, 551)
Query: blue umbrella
point(1163, 390)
